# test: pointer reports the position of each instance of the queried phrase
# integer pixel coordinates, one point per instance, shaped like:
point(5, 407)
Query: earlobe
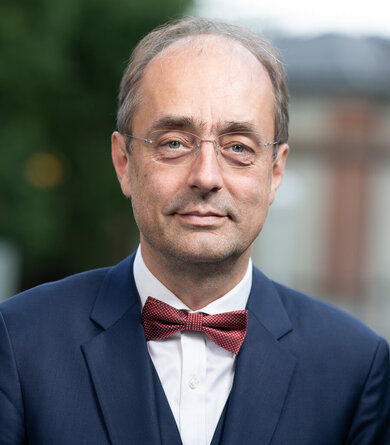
point(120, 159)
point(278, 170)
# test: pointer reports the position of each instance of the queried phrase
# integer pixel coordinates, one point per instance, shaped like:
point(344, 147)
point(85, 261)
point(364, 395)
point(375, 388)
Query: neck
point(196, 284)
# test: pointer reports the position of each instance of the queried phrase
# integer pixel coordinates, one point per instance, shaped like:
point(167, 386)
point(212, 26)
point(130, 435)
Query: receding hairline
point(204, 43)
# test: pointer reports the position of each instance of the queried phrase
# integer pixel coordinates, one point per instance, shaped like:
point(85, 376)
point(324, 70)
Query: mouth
point(198, 218)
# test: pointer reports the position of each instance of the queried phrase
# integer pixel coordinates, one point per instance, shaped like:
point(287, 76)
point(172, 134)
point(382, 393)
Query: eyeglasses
point(178, 148)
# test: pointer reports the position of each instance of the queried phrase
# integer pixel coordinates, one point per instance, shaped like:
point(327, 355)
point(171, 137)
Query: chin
point(205, 251)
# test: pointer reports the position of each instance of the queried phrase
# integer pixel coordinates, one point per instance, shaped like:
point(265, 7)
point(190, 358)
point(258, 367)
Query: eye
point(174, 144)
point(238, 148)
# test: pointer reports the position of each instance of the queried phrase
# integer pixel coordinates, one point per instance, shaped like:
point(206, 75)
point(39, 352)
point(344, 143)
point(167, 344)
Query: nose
point(205, 174)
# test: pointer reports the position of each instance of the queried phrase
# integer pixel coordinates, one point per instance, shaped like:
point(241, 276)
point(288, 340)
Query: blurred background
point(61, 209)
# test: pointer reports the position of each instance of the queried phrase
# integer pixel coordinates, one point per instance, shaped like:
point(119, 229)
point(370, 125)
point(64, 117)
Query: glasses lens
point(176, 147)
point(241, 150)
point(173, 147)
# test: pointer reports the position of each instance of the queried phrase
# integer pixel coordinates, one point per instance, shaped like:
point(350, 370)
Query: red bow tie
point(227, 330)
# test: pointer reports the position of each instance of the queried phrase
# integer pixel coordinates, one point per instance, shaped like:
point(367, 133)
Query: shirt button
point(193, 383)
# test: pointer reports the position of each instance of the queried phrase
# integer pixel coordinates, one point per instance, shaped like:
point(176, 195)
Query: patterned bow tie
point(227, 330)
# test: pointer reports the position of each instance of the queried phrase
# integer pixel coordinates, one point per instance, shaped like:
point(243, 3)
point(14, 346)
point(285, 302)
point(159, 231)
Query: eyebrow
point(191, 124)
point(177, 122)
point(236, 127)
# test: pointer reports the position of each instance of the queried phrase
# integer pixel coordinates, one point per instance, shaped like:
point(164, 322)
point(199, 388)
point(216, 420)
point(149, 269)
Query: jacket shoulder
point(304, 310)
point(329, 335)
point(79, 290)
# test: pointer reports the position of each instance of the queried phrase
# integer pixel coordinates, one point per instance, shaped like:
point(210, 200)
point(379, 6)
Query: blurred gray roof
point(336, 64)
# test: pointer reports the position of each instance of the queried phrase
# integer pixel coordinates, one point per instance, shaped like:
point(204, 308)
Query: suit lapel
point(263, 370)
point(130, 395)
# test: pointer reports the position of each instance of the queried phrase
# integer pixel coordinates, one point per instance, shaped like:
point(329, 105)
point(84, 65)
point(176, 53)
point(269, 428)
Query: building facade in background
point(328, 231)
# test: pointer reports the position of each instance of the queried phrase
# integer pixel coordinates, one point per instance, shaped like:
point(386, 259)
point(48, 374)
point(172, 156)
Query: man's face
point(205, 211)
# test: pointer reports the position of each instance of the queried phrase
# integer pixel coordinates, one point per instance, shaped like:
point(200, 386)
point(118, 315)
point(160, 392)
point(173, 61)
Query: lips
point(201, 218)
point(201, 214)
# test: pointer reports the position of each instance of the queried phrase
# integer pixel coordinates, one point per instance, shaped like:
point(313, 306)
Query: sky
point(304, 17)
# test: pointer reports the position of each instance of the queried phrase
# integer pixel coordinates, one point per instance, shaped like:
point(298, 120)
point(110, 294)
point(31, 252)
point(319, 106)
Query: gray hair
point(164, 36)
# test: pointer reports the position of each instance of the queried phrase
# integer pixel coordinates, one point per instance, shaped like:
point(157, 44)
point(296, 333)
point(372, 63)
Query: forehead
point(208, 78)
point(206, 45)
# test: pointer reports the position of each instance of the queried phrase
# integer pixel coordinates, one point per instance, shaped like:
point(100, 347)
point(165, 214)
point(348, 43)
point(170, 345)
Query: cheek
point(152, 190)
point(252, 193)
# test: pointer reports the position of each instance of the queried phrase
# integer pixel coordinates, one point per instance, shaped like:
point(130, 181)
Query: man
point(200, 150)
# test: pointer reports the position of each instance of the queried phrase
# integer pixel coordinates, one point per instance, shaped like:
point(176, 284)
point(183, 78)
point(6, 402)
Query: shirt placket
point(192, 393)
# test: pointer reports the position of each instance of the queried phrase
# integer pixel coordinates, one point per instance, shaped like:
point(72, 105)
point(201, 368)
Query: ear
point(278, 167)
point(120, 158)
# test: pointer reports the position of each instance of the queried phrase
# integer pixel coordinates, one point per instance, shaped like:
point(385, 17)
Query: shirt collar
point(148, 285)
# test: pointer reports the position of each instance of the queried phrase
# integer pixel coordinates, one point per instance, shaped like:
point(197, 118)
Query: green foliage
point(61, 64)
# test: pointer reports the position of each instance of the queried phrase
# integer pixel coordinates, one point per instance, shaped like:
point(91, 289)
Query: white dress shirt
point(195, 373)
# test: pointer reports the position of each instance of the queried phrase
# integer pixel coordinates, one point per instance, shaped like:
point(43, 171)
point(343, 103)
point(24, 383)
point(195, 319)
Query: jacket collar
point(117, 294)
point(266, 306)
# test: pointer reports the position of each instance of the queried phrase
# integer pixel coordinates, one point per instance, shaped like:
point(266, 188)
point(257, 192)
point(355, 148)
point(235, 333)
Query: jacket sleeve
point(371, 422)
point(11, 406)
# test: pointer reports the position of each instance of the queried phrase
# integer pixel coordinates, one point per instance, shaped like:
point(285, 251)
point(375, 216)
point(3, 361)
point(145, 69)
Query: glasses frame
point(200, 141)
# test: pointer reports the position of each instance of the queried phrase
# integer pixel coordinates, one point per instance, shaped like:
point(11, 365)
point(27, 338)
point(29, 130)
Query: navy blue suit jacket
point(75, 370)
